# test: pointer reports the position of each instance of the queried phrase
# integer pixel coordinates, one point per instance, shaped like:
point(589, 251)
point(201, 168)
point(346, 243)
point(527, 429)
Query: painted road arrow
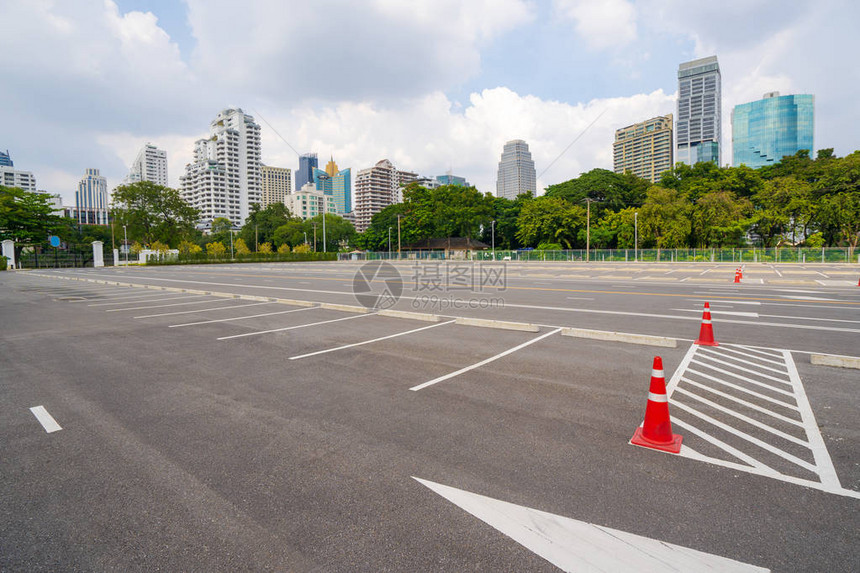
point(575, 545)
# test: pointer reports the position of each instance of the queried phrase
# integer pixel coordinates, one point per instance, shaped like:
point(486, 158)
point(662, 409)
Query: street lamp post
point(493, 228)
point(636, 236)
point(125, 240)
point(306, 236)
point(315, 236)
point(324, 241)
point(587, 229)
point(398, 237)
point(231, 244)
point(389, 242)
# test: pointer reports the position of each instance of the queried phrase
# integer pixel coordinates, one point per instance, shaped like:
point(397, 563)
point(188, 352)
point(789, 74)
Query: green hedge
point(204, 259)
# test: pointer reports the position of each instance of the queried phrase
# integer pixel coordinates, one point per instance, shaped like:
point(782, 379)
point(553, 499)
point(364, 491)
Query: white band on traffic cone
point(657, 397)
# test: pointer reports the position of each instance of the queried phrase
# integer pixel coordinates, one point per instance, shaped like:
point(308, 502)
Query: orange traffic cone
point(737, 276)
point(656, 431)
point(706, 332)
point(741, 272)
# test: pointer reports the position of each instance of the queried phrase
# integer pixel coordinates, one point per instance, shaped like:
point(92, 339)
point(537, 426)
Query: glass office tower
point(305, 173)
point(765, 131)
point(698, 124)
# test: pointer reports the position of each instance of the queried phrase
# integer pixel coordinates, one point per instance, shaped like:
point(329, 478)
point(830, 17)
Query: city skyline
point(466, 88)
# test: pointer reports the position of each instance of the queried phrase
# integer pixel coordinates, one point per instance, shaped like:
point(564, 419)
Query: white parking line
point(164, 305)
point(243, 317)
point(157, 299)
point(295, 327)
point(369, 341)
point(722, 312)
point(484, 362)
point(203, 309)
point(48, 422)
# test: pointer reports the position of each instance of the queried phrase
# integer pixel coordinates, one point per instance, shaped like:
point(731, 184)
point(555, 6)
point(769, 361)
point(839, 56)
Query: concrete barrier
point(630, 338)
point(498, 324)
point(833, 360)
point(410, 315)
point(344, 307)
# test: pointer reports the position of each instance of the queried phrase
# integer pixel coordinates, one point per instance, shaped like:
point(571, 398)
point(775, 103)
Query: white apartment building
point(376, 188)
point(11, 177)
point(91, 199)
point(149, 165)
point(224, 178)
point(276, 184)
point(308, 202)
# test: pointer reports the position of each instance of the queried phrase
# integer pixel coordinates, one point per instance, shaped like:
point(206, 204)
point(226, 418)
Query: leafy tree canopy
point(153, 212)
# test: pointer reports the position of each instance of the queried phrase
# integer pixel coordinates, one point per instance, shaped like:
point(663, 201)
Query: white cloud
point(601, 23)
point(373, 49)
point(429, 135)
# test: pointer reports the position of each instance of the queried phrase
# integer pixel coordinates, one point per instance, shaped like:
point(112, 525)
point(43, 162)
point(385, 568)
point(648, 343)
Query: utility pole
point(256, 240)
point(389, 242)
point(324, 241)
point(635, 236)
point(588, 230)
point(315, 236)
point(231, 243)
point(398, 237)
point(493, 226)
point(125, 239)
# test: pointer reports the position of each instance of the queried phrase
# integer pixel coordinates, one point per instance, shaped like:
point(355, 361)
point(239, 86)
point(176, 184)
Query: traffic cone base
point(672, 447)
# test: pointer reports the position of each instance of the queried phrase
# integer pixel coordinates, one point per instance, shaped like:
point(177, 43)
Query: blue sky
point(428, 84)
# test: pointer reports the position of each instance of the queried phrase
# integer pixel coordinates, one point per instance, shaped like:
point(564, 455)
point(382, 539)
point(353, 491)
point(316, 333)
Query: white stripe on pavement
point(243, 317)
point(48, 422)
point(157, 299)
point(295, 327)
point(369, 341)
point(483, 362)
point(203, 309)
point(165, 305)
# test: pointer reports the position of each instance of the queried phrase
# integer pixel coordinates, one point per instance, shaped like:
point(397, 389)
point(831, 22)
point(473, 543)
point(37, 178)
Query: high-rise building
point(149, 165)
point(91, 199)
point(276, 184)
point(644, 149)
point(308, 202)
point(451, 179)
point(305, 173)
point(698, 124)
point(337, 183)
point(224, 178)
point(516, 170)
point(376, 188)
point(766, 130)
point(11, 177)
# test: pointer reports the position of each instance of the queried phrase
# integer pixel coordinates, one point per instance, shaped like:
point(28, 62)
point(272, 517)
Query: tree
point(153, 212)
point(337, 231)
point(549, 220)
point(261, 224)
point(27, 217)
point(189, 248)
point(220, 230)
point(216, 248)
point(290, 234)
point(266, 248)
point(666, 218)
point(720, 219)
point(240, 247)
point(607, 189)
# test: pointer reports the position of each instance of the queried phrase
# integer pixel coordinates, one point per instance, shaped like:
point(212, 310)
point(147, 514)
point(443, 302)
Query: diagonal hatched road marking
point(733, 397)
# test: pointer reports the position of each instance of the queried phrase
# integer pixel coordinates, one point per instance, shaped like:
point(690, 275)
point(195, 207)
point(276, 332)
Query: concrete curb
point(498, 324)
point(832, 360)
point(410, 315)
point(344, 307)
point(630, 338)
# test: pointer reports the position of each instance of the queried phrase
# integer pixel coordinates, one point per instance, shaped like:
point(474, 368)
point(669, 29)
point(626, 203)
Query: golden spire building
point(337, 183)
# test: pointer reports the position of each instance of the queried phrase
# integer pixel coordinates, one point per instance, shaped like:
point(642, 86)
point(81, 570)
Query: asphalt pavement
point(211, 432)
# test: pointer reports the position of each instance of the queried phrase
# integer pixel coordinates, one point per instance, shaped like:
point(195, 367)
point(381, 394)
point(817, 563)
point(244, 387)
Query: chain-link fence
point(746, 255)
